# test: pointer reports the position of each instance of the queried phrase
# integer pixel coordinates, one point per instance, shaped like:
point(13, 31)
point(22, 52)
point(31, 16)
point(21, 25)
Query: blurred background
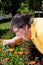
point(11, 7)
point(8, 8)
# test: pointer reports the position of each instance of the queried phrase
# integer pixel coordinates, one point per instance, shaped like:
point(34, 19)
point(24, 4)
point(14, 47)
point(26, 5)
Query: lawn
point(4, 25)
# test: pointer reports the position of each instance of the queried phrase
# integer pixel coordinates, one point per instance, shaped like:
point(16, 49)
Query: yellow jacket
point(37, 33)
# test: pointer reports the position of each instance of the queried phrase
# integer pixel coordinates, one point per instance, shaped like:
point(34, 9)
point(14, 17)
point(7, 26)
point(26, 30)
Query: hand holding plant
point(15, 41)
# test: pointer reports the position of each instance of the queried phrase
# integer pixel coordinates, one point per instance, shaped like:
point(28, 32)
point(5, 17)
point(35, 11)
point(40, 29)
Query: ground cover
point(9, 56)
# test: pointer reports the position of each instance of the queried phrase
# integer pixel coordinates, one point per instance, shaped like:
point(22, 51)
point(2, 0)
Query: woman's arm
point(15, 41)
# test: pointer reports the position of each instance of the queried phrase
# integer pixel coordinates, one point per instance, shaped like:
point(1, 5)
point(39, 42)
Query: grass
point(5, 25)
point(5, 31)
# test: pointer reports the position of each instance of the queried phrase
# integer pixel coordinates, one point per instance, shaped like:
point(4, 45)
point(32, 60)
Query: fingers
point(5, 42)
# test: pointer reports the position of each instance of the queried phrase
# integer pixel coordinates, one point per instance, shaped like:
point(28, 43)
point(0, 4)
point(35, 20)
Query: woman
point(26, 27)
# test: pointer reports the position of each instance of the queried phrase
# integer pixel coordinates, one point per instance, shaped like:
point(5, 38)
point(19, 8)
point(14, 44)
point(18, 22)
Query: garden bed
point(9, 56)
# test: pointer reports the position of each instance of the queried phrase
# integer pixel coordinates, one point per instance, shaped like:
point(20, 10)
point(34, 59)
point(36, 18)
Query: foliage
point(6, 34)
point(6, 5)
point(36, 4)
point(24, 9)
point(9, 58)
point(10, 6)
point(5, 31)
point(20, 6)
point(7, 54)
point(29, 6)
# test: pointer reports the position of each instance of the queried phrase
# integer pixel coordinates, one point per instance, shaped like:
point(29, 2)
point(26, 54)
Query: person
point(26, 27)
point(20, 24)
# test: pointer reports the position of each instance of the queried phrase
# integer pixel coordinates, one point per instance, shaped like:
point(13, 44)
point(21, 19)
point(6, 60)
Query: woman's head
point(20, 20)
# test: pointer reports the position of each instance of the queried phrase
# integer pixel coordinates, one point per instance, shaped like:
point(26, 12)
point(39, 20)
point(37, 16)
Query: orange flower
point(11, 49)
point(1, 40)
point(0, 49)
point(15, 52)
point(32, 62)
point(5, 59)
point(20, 53)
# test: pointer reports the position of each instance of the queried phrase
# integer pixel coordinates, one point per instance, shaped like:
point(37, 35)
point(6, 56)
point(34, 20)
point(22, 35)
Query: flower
point(15, 52)
point(32, 62)
point(5, 59)
point(20, 53)
point(10, 50)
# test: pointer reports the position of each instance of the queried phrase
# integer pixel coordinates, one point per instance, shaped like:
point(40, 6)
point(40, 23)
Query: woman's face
point(23, 32)
point(18, 31)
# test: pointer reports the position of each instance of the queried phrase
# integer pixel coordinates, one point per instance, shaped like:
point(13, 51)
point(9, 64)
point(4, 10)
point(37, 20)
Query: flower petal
point(32, 62)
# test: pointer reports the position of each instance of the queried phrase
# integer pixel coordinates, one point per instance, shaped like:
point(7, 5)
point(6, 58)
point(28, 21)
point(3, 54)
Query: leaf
point(0, 49)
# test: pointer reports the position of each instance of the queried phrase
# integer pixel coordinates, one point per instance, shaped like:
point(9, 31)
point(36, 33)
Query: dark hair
point(19, 20)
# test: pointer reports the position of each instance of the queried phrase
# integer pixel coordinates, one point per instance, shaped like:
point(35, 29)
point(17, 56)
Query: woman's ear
point(26, 27)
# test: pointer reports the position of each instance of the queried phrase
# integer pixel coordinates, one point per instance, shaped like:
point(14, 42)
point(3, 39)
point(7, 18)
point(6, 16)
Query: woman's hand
point(11, 42)
point(7, 42)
